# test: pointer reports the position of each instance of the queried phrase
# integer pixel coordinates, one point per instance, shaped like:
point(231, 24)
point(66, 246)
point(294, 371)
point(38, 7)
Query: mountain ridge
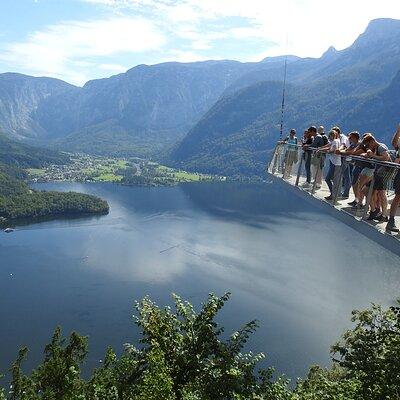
point(335, 92)
point(151, 107)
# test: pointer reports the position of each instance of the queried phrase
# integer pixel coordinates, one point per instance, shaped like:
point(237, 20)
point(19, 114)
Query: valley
point(127, 171)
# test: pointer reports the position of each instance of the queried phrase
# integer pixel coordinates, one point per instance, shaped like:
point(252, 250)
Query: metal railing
point(292, 162)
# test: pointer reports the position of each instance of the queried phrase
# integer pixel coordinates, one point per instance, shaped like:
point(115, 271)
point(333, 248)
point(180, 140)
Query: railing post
point(369, 196)
point(299, 169)
point(271, 166)
point(277, 157)
point(337, 182)
point(284, 162)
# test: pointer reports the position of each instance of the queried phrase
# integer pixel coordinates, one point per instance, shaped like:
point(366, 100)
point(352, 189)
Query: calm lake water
point(295, 269)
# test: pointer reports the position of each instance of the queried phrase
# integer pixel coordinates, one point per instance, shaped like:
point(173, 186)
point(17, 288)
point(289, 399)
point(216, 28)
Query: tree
point(371, 352)
point(182, 356)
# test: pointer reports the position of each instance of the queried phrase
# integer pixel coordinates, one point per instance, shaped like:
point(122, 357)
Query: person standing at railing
point(378, 151)
point(291, 156)
point(346, 181)
point(317, 164)
point(353, 170)
point(391, 225)
point(366, 174)
point(321, 131)
point(334, 162)
point(307, 154)
point(313, 159)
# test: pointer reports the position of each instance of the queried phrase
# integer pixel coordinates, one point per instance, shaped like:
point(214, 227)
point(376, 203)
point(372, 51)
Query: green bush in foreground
point(182, 356)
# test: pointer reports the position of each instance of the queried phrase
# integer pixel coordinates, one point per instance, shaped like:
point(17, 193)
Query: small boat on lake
point(8, 230)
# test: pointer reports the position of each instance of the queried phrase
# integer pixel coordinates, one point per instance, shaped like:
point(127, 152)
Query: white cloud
point(311, 26)
point(63, 50)
point(191, 30)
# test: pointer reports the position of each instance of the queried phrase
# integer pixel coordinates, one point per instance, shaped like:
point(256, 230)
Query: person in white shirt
point(344, 140)
point(334, 161)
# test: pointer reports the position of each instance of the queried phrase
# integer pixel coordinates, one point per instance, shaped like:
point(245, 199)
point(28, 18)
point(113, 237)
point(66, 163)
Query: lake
point(298, 271)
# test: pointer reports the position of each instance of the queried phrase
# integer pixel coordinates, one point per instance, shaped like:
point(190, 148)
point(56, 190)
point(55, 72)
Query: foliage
point(18, 201)
point(370, 352)
point(57, 378)
point(10, 186)
point(182, 356)
point(25, 156)
point(325, 384)
point(35, 204)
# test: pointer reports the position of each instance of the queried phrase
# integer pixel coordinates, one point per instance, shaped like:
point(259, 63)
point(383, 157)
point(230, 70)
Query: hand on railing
point(368, 154)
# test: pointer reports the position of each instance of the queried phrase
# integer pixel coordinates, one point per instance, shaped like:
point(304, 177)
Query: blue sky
point(78, 40)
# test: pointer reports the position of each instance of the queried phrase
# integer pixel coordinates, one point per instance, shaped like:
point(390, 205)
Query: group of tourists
point(335, 153)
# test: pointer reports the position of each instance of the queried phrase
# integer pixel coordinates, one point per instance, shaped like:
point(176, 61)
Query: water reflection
point(298, 271)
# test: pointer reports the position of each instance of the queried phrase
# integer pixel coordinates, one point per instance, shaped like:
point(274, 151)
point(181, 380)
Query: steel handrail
point(355, 158)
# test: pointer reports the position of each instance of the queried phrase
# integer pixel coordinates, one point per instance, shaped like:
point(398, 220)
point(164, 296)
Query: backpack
point(325, 138)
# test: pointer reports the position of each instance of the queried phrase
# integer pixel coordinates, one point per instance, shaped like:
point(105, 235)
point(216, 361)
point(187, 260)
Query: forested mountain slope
point(356, 88)
point(25, 156)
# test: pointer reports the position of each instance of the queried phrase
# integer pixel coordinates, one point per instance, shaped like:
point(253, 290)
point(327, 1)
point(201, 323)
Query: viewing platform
point(289, 170)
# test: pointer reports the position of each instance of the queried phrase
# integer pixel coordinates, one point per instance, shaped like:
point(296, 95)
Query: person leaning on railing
point(334, 160)
point(317, 141)
point(351, 171)
point(366, 174)
point(391, 225)
point(382, 176)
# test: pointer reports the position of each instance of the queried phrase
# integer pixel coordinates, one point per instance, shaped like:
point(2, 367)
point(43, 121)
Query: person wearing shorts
point(391, 225)
point(378, 151)
point(366, 173)
point(291, 156)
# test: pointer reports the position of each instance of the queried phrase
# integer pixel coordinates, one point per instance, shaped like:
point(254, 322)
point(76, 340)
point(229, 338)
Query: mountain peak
point(379, 30)
point(330, 52)
point(383, 23)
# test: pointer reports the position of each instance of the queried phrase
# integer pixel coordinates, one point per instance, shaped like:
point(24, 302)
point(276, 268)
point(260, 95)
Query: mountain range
point(214, 116)
point(356, 88)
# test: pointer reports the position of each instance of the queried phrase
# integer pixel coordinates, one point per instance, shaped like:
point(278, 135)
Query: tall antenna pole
point(283, 98)
point(284, 87)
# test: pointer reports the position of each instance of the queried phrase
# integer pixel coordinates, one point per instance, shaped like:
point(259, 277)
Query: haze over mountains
point(219, 116)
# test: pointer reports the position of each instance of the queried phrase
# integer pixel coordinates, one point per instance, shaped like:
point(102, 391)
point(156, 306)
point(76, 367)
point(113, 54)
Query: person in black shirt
point(307, 141)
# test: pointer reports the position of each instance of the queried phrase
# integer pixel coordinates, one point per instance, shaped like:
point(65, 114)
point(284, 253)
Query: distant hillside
point(378, 113)
point(137, 112)
point(20, 96)
point(230, 138)
point(340, 88)
point(24, 156)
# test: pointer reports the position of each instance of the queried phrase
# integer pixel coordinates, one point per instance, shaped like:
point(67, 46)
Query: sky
point(79, 40)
